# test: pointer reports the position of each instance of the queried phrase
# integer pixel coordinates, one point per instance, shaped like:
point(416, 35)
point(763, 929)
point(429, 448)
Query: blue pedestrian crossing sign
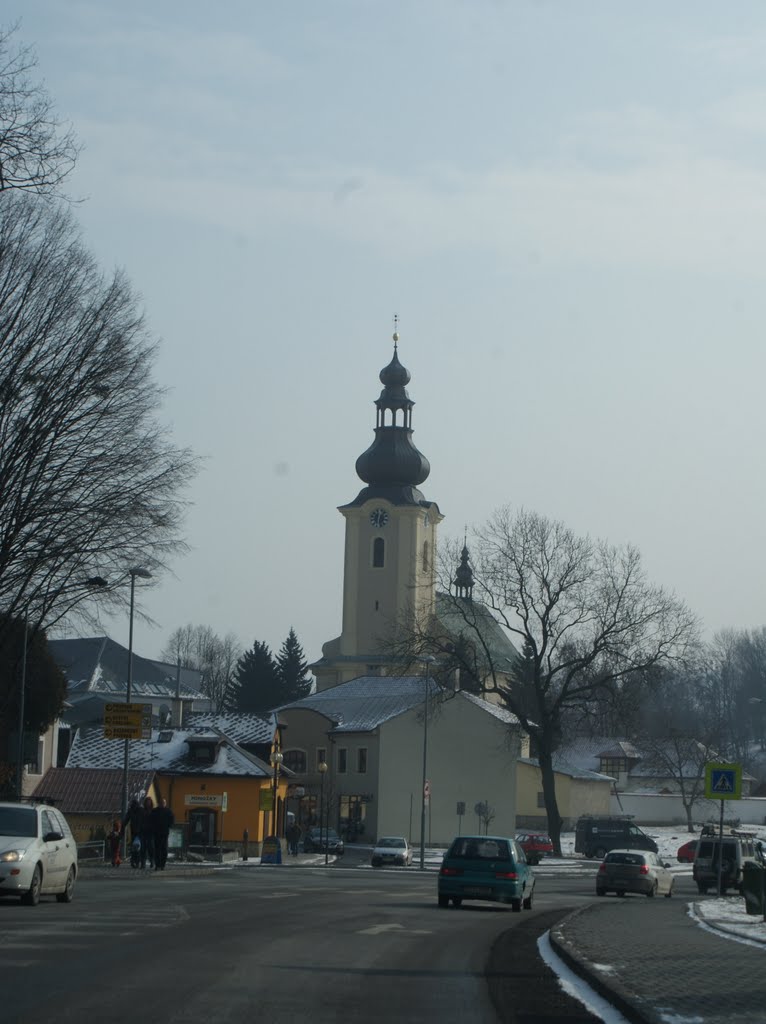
point(723, 781)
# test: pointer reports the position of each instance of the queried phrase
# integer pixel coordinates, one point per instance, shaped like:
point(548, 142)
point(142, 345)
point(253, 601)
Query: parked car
point(535, 845)
point(596, 835)
point(321, 839)
point(639, 871)
point(38, 854)
point(739, 849)
point(491, 868)
point(391, 850)
point(685, 854)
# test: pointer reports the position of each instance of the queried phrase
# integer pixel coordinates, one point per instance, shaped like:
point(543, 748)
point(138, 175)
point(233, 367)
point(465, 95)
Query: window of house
point(295, 760)
point(361, 760)
point(613, 765)
point(321, 756)
point(342, 760)
point(378, 553)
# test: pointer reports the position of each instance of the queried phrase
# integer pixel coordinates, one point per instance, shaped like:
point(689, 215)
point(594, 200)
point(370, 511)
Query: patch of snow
point(575, 987)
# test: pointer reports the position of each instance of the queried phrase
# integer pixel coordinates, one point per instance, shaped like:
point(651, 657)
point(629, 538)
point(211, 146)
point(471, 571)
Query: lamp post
point(428, 660)
point(276, 759)
point(322, 769)
point(144, 574)
point(22, 696)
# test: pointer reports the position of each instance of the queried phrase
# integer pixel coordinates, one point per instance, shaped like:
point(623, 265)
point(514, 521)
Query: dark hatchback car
point(321, 839)
point(491, 868)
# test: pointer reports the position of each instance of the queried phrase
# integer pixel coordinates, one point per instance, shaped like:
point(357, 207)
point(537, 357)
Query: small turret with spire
point(463, 581)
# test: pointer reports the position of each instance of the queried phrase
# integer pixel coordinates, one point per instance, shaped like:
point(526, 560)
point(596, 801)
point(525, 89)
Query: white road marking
point(380, 929)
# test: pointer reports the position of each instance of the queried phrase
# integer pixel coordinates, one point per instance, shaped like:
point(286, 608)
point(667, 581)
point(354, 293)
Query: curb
point(629, 1005)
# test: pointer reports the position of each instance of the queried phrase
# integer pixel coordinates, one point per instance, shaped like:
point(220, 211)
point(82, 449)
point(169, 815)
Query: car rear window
point(624, 858)
point(18, 821)
point(480, 849)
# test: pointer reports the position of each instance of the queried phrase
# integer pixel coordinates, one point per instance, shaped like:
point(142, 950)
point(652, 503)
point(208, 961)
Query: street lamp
point(322, 769)
point(144, 574)
point(276, 759)
point(428, 660)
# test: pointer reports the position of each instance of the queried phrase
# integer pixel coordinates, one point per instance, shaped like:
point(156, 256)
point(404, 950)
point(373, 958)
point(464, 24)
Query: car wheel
point(443, 900)
point(701, 889)
point(375, 862)
point(68, 894)
point(457, 901)
point(669, 893)
point(516, 906)
point(32, 896)
point(601, 892)
point(620, 892)
point(652, 892)
point(528, 900)
point(600, 852)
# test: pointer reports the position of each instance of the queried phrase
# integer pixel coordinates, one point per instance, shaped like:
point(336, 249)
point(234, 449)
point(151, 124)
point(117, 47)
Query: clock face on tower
point(378, 517)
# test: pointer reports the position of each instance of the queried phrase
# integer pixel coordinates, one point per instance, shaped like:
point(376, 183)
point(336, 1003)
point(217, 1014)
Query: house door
point(202, 827)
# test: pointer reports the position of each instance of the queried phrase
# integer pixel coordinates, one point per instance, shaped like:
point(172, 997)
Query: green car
point(491, 868)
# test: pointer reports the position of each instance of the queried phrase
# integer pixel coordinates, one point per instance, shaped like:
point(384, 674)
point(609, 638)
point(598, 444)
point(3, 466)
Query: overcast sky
point(563, 200)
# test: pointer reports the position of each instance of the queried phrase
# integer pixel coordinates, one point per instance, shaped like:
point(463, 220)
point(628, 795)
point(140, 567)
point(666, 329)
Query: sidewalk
point(656, 964)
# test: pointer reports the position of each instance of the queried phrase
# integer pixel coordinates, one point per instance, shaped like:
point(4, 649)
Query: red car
point(535, 845)
point(686, 852)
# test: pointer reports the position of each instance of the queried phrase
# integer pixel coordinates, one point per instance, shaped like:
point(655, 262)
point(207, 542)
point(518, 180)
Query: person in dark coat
point(147, 834)
point(135, 818)
point(162, 822)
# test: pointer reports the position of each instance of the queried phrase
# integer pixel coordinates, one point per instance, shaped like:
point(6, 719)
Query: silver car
point(38, 854)
point(391, 850)
point(638, 871)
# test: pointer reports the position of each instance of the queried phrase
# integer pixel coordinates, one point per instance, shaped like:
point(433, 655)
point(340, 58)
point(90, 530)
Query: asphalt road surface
point(276, 943)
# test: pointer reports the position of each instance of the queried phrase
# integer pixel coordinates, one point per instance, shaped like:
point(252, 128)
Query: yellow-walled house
point(578, 791)
point(216, 789)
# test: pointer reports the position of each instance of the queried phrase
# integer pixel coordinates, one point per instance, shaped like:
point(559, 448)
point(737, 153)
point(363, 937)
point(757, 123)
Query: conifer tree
point(293, 669)
point(257, 685)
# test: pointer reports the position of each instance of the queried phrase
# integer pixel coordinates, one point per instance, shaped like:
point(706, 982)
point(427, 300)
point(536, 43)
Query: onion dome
point(463, 581)
point(392, 461)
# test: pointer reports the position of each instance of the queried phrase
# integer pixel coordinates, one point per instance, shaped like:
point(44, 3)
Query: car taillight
point(506, 874)
point(602, 869)
point(450, 871)
point(644, 869)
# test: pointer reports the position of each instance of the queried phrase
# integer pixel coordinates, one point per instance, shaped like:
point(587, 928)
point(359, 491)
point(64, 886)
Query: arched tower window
point(378, 553)
point(426, 562)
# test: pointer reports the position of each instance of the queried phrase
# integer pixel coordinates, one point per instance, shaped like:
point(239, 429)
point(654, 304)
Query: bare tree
point(682, 758)
point(200, 648)
point(581, 611)
point(37, 149)
point(89, 480)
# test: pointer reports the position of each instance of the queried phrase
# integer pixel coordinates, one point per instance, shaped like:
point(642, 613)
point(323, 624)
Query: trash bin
point(753, 881)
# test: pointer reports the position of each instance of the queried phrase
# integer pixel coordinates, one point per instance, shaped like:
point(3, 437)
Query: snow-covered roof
point(98, 665)
point(365, 703)
point(167, 751)
point(243, 727)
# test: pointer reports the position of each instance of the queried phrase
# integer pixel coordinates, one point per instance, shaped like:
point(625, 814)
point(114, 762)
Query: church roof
point(456, 615)
point(365, 703)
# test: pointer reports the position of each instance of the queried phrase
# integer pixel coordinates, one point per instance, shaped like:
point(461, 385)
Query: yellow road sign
point(127, 721)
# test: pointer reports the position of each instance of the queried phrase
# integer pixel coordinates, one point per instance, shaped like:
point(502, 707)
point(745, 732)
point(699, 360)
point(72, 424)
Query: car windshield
point(390, 841)
point(18, 821)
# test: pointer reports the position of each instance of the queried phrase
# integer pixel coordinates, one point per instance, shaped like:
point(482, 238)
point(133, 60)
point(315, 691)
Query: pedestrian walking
point(135, 819)
point(147, 834)
point(162, 822)
point(115, 841)
point(293, 836)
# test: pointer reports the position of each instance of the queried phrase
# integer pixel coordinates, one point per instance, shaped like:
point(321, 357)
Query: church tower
point(391, 529)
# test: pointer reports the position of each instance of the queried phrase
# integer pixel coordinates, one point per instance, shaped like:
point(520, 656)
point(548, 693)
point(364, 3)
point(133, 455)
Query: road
point(319, 944)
